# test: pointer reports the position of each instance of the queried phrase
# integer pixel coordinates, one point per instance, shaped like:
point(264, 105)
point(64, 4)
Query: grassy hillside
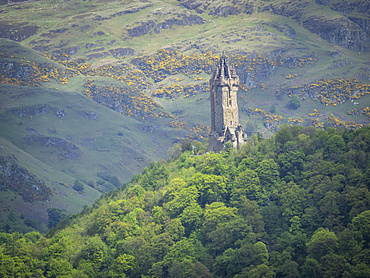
point(92, 90)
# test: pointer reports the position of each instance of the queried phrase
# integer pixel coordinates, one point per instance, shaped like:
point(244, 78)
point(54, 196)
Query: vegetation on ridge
point(294, 205)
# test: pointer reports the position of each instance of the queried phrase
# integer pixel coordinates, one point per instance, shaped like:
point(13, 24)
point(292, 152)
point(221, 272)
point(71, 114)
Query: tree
point(248, 184)
point(291, 165)
point(322, 242)
point(55, 215)
point(268, 173)
point(185, 197)
point(212, 188)
point(251, 213)
point(289, 269)
point(282, 136)
point(78, 186)
point(95, 251)
point(181, 256)
point(260, 271)
point(174, 152)
point(262, 253)
point(293, 200)
point(295, 102)
point(59, 268)
point(334, 146)
point(115, 181)
point(273, 109)
point(216, 214)
point(191, 218)
point(333, 265)
point(362, 224)
point(311, 269)
point(124, 263)
point(249, 128)
point(199, 270)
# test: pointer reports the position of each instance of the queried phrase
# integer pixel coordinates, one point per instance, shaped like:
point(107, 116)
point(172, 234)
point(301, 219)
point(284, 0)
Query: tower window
point(230, 102)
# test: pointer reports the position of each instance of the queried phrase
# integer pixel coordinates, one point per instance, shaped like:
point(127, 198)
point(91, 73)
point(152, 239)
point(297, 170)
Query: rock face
point(295, 9)
point(119, 52)
point(284, 28)
point(67, 149)
point(141, 30)
point(34, 110)
point(224, 11)
point(15, 70)
point(342, 32)
point(18, 179)
point(60, 54)
point(145, 27)
point(225, 125)
point(17, 33)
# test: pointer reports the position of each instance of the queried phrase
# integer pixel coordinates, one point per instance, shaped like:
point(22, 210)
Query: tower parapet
point(225, 125)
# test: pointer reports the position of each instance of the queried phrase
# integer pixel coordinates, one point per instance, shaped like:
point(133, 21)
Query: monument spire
point(225, 125)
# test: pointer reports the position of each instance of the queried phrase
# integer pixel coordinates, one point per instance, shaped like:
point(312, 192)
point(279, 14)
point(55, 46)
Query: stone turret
point(225, 125)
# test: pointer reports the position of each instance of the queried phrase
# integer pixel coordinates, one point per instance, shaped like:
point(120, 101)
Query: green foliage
point(78, 186)
point(55, 215)
point(295, 102)
point(289, 210)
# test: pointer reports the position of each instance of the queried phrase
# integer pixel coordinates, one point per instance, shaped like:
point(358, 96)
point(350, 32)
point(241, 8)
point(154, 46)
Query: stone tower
point(225, 125)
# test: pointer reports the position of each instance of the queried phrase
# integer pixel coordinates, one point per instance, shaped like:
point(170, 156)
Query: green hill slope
point(96, 90)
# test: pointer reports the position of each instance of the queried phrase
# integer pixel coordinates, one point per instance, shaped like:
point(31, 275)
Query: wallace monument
point(225, 125)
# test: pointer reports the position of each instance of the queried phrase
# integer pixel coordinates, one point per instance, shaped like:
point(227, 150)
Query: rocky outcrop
point(186, 20)
point(98, 55)
point(15, 70)
point(292, 62)
point(141, 30)
point(90, 45)
point(67, 149)
point(340, 64)
point(130, 11)
point(84, 28)
point(60, 53)
point(364, 7)
point(34, 110)
point(249, 8)
point(294, 9)
point(224, 11)
point(283, 28)
point(342, 32)
point(145, 27)
point(322, 2)
point(59, 113)
point(17, 32)
point(20, 180)
point(40, 45)
point(344, 7)
point(260, 70)
point(120, 52)
point(53, 33)
point(362, 22)
point(89, 115)
point(190, 4)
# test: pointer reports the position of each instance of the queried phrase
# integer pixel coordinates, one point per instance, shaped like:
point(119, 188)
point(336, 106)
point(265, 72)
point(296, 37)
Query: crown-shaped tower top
point(223, 70)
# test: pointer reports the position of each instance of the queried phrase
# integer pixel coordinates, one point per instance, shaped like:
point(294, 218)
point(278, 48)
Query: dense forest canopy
point(294, 205)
